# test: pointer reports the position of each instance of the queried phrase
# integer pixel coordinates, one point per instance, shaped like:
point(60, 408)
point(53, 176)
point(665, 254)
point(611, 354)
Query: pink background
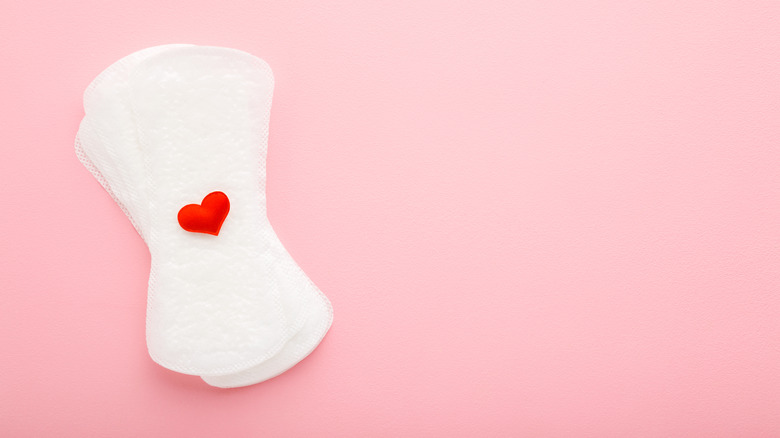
point(534, 218)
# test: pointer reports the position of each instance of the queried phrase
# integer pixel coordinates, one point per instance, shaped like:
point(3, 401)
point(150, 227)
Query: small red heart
point(206, 217)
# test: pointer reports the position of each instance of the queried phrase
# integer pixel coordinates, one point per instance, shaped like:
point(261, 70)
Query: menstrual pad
point(178, 136)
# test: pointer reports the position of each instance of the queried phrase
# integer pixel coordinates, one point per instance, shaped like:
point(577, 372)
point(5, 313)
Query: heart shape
point(206, 217)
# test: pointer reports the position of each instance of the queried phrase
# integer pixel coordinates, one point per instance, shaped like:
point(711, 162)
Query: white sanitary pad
point(164, 127)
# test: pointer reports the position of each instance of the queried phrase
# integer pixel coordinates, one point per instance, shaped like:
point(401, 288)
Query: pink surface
point(536, 218)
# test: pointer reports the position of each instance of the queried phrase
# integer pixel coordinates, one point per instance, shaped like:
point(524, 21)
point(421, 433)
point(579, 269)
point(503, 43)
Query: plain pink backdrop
point(533, 218)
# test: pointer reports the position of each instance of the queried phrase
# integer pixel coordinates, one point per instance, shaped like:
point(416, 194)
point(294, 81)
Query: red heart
point(206, 217)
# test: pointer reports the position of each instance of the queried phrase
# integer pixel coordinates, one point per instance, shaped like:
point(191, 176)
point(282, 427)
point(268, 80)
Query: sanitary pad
point(178, 136)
